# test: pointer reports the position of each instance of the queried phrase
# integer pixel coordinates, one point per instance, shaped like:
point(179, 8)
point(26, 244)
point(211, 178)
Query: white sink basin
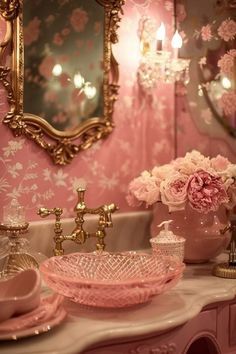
point(130, 231)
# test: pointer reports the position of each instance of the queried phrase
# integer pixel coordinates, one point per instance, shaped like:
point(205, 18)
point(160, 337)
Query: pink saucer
point(47, 315)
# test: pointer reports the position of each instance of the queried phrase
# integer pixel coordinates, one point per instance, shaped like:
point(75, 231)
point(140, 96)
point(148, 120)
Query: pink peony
point(206, 33)
point(46, 66)
point(145, 188)
point(192, 162)
point(227, 30)
point(163, 171)
point(195, 180)
point(206, 192)
point(32, 31)
point(226, 62)
point(228, 102)
point(174, 192)
point(78, 19)
point(220, 163)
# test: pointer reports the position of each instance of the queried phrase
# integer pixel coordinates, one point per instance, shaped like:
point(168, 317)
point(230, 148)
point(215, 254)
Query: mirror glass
point(63, 58)
point(210, 29)
point(62, 83)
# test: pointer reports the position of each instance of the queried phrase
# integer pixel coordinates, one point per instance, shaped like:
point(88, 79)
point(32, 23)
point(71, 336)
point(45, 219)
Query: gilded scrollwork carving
point(61, 146)
point(9, 9)
point(169, 348)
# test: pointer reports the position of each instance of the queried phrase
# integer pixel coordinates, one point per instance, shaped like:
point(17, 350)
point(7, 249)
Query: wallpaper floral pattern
point(206, 109)
point(143, 136)
point(150, 129)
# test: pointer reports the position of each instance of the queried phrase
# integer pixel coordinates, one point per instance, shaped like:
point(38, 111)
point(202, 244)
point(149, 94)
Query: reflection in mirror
point(218, 84)
point(63, 55)
point(63, 83)
point(212, 46)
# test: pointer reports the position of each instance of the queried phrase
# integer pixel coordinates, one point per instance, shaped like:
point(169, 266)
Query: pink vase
point(203, 232)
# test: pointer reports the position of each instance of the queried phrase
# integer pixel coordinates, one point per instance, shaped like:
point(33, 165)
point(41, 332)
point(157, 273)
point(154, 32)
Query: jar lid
point(166, 235)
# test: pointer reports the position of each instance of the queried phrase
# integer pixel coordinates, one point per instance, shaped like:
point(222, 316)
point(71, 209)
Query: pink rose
point(206, 192)
point(192, 162)
point(220, 163)
point(227, 30)
point(226, 62)
point(144, 188)
point(78, 19)
point(228, 102)
point(174, 192)
point(206, 33)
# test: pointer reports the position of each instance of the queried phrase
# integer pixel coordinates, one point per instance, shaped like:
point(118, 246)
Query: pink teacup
point(20, 294)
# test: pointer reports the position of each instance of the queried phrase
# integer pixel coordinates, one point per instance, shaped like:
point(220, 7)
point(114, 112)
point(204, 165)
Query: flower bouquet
point(197, 190)
point(200, 182)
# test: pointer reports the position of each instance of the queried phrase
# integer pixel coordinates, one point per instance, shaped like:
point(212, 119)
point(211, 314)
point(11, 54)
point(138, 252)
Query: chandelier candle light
point(158, 64)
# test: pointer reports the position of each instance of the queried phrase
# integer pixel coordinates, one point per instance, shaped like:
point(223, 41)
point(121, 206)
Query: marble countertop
point(85, 327)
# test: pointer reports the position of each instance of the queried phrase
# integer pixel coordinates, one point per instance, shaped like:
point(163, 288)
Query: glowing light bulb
point(161, 32)
point(78, 80)
point(57, 70)
point(176, 41)
point(89, 90)
point(226, 83)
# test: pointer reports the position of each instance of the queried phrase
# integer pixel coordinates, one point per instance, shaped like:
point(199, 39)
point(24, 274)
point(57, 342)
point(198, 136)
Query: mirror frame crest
point(58, 144)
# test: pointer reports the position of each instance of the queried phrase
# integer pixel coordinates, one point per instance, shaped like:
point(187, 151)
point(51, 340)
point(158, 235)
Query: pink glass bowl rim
point(172, 266)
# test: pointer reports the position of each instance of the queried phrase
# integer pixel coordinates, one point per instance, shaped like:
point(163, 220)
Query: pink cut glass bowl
point(110, 279)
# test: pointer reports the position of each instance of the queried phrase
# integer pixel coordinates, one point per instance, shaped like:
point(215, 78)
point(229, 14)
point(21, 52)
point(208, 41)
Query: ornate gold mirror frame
point(58, 144)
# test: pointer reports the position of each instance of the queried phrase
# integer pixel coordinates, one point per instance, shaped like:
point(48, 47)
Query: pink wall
point(144, 136)
point(147, 132)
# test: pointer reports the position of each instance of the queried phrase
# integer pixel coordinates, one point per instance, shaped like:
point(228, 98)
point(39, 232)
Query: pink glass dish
point(47, 315)
point(19, 294)
point(110, 280)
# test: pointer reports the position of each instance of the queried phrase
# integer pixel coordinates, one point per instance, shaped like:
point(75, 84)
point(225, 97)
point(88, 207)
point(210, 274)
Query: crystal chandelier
point(157, 64)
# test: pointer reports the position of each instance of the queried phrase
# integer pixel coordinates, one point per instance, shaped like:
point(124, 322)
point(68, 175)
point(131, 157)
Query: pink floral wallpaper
point(206, 108)
point(143, 136)
point(150, 129)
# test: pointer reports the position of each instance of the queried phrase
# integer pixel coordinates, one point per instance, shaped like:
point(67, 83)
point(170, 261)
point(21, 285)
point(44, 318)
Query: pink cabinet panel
point(232, 325)
point(175, 341)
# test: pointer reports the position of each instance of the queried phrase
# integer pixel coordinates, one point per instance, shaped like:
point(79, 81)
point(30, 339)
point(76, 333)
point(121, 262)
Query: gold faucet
point(79, 235)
